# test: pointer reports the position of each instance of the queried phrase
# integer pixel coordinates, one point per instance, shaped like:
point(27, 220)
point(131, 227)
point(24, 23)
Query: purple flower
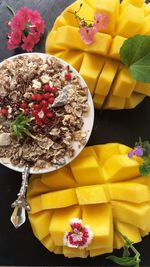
point(137, 151)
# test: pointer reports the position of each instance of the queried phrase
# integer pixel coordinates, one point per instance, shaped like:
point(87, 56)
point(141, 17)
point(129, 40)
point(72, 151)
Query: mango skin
point(117, 199)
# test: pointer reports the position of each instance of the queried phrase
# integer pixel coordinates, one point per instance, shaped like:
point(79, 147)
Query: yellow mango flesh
point(40, 223)
point(85, 168)
point(38, 187)
point(123, 149)
point(58, 250)
point(88, 151)
point(142, 88)
point(60, 222)
point(124, 84)
point(104, 152)
point(116, 44)
point(134, 100)
point(130, 21)
point(135, 214)
point(106, 78)
point(60, 199)
point(93, 194)
point(51, 42)
point(74, 252)
point(59, 22)
point(120, 167)
point(102, 226)
point(48, 243)
point(35, 204)
point(131, 192)
point(110, 8)
point(132, 232)
point(74, 58)
point(100, 251)
point(98, 101)
point(59, 179)
point(92, 75)
point(115, 102)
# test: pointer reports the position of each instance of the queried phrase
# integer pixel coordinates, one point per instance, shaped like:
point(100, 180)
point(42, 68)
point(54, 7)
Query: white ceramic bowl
point(87, 127)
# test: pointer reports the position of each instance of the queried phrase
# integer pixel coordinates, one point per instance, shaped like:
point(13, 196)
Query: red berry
point(36, 107)
point(47, 96)
point(33, 97)
point(44, 103)
point(26, 111)
point(50, 114)
point(47, 87)
point(39, 97)
point(54, 89)
point(35, 113)
point(39, 122)
point(44, 109)
point(23, 105)
point(68, 76)
point(51, 100)
point(4, 111)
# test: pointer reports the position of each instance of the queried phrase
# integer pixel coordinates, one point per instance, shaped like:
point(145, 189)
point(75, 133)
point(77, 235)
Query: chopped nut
point(5, 139)
point(36, 84)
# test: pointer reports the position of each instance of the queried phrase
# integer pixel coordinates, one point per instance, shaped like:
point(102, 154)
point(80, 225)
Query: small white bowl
point(87, 127)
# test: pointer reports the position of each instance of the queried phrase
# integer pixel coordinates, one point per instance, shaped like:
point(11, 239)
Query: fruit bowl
point(29, 100)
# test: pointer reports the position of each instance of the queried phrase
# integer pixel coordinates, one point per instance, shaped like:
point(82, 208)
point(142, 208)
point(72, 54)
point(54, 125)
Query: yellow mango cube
point(74, 58)
point(118, 240)
point(99, 217)
point(101, 44)
point(74, 252)
point(58, 250)
point(145, 27)
point(59, 199)
point(135, 214)
point(142, 88)
point(130, 21)
point(129, 191)
point(51, 44)
point(130, 231)
point(48, 243)
point(115, 102)
point(147, 9)
point(111, 9)
point(100, 251)
point(60, 179)
point(98, 101)
point(87, 151)
point(137, 3)
point(92, 194)
point(124, 84)
point(116, 44)
point(106, 78)
point(90, 71)
point(65, 37)
point(134, 100)
point(104, 152)
point(36, 187)
point(40, 223)
point(87, 171)
point(60, 21)
point(123, 149)
point(120, 167)
point(60, 223)
point(35, 204)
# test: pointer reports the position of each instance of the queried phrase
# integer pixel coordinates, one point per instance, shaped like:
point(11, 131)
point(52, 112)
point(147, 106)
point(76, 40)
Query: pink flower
point(28, 43)
point(80, 236)
point(87, 34)
point(24, 12)
point(34, 16)
point(14, 39)
point(101, 21)
point(17, 23)
point(40, 25)
point(35, 35)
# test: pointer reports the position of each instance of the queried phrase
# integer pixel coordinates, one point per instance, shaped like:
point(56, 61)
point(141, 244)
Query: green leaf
point(124, 261)
point(135, 54)
point(145, 168)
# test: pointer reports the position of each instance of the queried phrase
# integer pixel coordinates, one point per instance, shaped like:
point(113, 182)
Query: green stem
point(11, 10)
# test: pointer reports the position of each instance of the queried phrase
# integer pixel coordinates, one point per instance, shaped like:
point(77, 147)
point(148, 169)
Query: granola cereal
point(52, 103)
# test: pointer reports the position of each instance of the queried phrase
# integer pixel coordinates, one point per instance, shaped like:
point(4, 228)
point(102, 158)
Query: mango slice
point(48, 243)
point(99, 251)
point(132, 232)
point(115, 102)
point(74, 58)
point(116, 44)
point(38, 186)
point(134, 100)
point(104, 152)
point(142, 88)
point(74, 252)
point(60, 223)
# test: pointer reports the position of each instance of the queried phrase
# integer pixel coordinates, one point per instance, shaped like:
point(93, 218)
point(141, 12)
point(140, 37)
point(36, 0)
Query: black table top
point(20, 247)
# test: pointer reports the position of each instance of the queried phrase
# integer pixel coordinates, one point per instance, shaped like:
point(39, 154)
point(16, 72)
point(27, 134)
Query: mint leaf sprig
point(142, 149)
point(135, 54)
point(127, 259)
point(21, 125)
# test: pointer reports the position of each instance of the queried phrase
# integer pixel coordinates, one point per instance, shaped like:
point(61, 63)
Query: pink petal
point(101, 21)
point(87, 34)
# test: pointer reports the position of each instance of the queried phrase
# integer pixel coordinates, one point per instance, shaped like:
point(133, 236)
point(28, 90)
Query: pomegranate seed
point(44, 109)
point(47, 96)
point(50, 114)
point(51, 100)
point(44, 103)
point(47, 88)
point(26, 111)
point(39, 97)
point(23, 105)
point(33, 97)
point(68, 76)
point(36, 107)
point(54, 89)
point(4, 111)
point(35, 113)
point(39, 122)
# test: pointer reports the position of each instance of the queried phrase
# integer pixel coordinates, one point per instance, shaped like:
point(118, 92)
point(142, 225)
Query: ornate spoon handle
point(20, 205)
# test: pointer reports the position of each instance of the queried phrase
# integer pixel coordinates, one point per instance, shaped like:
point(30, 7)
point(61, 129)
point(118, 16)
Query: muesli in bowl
point(46, 113)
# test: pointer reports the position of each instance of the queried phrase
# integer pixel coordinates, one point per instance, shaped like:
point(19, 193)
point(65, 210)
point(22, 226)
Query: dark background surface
point(20, 247)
